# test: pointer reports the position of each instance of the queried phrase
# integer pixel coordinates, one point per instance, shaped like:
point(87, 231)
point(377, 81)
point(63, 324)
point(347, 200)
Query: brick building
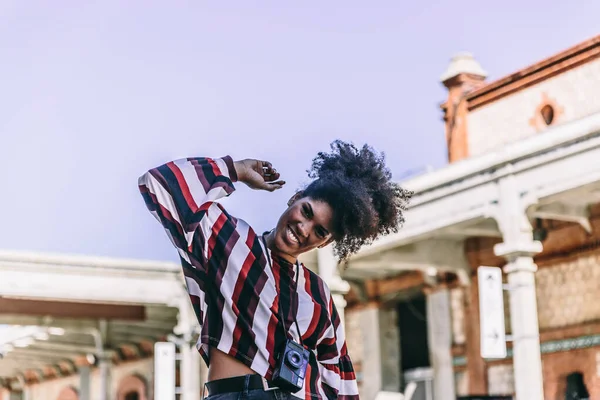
point(521, 192)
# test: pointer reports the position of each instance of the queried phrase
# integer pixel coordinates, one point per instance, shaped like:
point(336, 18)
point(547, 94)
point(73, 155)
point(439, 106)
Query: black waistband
point(235, 384)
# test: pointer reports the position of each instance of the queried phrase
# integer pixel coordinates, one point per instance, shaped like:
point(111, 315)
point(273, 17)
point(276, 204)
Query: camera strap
point(294, 293)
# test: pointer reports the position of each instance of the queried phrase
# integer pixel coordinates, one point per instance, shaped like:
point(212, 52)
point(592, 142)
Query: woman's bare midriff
point(225, 366)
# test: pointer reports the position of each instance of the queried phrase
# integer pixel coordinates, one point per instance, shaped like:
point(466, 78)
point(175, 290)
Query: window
point(547, 114)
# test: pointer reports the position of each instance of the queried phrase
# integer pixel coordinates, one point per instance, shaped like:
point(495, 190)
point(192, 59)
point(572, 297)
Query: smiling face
point(304, 226)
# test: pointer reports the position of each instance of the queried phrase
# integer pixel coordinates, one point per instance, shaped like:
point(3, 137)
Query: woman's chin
point(285, 248)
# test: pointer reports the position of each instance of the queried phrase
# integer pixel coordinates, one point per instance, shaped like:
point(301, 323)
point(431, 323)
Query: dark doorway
point(412, 321)
point(576, 389)
point(132, 396)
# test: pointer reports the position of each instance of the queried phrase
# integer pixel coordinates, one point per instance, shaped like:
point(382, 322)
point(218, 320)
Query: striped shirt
point(235, 293)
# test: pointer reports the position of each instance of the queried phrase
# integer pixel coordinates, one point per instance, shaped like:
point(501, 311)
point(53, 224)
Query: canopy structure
point(62, 312)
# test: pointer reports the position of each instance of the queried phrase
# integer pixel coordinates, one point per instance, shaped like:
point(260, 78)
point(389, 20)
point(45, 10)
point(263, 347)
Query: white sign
point(491, 312)
point(164, 371)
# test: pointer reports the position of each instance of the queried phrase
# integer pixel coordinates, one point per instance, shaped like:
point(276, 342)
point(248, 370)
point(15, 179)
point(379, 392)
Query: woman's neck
point(270, 238)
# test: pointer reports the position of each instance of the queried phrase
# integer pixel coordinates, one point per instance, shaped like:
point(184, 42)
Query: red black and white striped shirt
point(233, 289)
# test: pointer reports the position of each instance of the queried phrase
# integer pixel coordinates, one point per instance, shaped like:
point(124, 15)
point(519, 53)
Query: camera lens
point(294, 359)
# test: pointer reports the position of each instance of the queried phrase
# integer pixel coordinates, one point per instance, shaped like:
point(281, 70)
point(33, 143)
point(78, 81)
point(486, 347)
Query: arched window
point(132, 387)
point(68, 393)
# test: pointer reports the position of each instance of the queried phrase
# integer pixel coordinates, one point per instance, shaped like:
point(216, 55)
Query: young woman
point(270, 328)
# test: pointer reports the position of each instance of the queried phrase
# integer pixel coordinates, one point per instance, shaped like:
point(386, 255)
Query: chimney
point(463, 75)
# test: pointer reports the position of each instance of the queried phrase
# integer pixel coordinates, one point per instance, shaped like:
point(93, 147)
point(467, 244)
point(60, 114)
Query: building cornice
point(568, 59)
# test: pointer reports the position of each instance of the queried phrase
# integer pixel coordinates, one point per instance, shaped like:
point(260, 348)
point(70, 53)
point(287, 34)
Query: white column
point(104, 365)
point(519, 248)
point(525, 330)
point(190, 372)
point(104, 360)
point(190, 357)
point(371, 363)
point(440, 343)
point(328, 271)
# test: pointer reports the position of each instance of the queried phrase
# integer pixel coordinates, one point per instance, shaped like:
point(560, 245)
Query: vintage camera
point(291, 367)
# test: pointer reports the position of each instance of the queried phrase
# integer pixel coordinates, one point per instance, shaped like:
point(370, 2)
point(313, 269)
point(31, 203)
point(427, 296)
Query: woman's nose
point(303, 230)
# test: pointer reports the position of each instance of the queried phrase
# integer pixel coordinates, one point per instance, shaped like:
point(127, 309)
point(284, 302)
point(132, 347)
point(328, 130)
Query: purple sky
point(93, 95)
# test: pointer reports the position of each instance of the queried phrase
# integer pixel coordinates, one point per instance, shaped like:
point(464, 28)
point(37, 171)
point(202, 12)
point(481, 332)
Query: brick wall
point(567, 293)
point(576, 93)
point(567, 286)
point(501, 380)
point(557, 366)
point(354, 341)
point(461, 383)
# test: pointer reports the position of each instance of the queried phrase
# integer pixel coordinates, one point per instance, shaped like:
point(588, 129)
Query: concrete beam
point(576, 213)
point(66, 347)
point(441, 254)
point(44, 354)
point(65, 323)
point(62, 309)
point(475, 232)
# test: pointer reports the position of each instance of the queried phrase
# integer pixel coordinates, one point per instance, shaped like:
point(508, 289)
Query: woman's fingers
point(272, 186)
point(269, 173)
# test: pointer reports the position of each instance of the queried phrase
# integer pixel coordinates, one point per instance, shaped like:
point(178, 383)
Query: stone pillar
point(328, 271)
point(440, 343)
point(389, 348)
point(519, 248)
point(380, 350)
point(371, 366)
point(84, 382)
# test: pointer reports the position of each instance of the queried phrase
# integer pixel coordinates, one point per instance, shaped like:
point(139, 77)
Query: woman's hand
point(259, 175)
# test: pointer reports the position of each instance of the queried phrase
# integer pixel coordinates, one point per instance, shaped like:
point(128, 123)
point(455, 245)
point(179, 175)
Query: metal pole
point(84, 383)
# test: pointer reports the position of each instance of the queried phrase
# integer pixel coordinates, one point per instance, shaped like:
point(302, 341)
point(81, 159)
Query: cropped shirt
point(235, 292)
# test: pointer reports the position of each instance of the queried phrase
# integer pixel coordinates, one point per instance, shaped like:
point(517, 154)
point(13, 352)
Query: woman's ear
point(295, 197)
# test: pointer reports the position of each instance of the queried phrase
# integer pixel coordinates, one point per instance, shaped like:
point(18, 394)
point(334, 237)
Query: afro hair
point(358, 186)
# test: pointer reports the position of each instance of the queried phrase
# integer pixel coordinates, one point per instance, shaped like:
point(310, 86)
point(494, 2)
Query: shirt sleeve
point(339, 379)
point(182, 196)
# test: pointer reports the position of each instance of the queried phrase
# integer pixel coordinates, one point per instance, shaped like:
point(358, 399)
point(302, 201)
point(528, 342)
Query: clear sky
point(94, 93)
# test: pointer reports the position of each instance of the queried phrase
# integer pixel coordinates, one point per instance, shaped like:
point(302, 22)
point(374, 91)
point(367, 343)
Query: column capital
point(512, 251)
point(520, 264)
point(338, 286)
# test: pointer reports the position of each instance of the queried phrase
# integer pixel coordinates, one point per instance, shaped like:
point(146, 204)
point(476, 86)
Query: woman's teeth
point(291, 236)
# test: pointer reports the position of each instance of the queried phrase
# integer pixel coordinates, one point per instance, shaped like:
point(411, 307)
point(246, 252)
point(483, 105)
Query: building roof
point(572, 57)
point(57, 305)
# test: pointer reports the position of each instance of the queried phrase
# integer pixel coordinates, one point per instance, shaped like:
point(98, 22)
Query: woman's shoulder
point(316, 282)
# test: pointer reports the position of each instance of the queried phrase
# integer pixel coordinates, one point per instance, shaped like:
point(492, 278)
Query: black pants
point(250, 394)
